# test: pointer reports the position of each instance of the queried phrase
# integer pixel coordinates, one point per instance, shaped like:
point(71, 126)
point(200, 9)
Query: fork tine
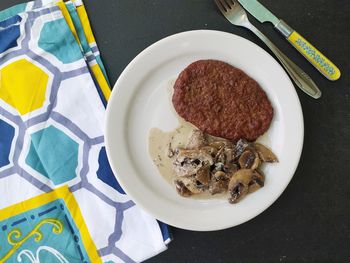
point(220, 6)
point(234, 2)
point(225, 5)
point(231, 3)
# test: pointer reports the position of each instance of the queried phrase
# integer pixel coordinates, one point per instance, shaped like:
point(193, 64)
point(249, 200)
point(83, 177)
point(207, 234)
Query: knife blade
point(259, 11)
point(315, 57)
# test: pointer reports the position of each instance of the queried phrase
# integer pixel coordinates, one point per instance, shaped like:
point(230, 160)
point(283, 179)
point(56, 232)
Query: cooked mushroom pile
point(217, 165)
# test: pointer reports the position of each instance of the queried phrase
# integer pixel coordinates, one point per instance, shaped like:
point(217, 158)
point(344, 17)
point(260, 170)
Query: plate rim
point(115, 93)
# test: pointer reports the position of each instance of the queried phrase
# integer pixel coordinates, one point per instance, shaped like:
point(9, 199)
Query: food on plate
point(216, 165)
point(222, 101)
point(214, 152)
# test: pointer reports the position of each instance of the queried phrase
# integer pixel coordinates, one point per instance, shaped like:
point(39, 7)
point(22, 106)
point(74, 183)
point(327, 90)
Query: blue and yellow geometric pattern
point(59, 165)
point(15, 80)
point(53, 92)
point(6, 139)
point(48, 227)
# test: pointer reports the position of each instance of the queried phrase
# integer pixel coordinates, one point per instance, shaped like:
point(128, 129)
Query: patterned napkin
point(59, 200)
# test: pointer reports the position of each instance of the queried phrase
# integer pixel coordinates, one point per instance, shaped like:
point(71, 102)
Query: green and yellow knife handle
point(315, 57)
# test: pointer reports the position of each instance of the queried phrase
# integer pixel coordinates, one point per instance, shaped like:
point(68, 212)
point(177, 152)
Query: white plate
point(140, 101)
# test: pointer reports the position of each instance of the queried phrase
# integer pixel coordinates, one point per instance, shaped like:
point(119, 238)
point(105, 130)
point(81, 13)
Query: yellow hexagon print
point(23, 86)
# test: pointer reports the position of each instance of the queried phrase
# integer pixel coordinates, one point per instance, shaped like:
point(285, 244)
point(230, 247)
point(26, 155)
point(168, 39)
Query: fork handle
point(315, 57)
point(301, 79)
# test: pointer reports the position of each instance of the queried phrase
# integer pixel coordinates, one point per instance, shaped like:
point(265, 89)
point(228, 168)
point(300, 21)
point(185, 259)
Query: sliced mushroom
point(242, 175)
point(197, 140)
point(229, 155)
point(239, 185)
point(239, 148)
point(217, 187)
point(230, 168)
point(195, 154)
point(249, 159)
point(217, 144)
point(192, 184)
point(219, 183)
point(219, 175)
point(220, 156)
point(182, 189)
point(188, 162)
point(265, 154)
point(187, 167)
point(209, 150)
point(213, 164)
point(257, 181)
point(221, 143)
point(217, 167)
point(203, 175)
point(237, 192)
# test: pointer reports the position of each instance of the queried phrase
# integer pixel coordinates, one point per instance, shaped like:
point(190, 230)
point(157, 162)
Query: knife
point(315, 57)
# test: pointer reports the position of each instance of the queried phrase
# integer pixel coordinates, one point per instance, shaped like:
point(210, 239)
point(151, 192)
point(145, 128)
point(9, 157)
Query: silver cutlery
point(315, 57)
point(235, 13)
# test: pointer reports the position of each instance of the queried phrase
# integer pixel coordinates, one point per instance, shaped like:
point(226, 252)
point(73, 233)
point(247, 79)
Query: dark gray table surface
point(310, 222)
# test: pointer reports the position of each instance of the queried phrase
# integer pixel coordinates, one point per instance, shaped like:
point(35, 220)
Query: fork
point(235, 13)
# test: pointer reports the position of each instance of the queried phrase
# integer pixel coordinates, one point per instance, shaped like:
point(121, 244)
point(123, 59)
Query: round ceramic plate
point(140, 101)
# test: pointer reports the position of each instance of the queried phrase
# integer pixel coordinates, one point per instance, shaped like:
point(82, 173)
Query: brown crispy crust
point(222, 101)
